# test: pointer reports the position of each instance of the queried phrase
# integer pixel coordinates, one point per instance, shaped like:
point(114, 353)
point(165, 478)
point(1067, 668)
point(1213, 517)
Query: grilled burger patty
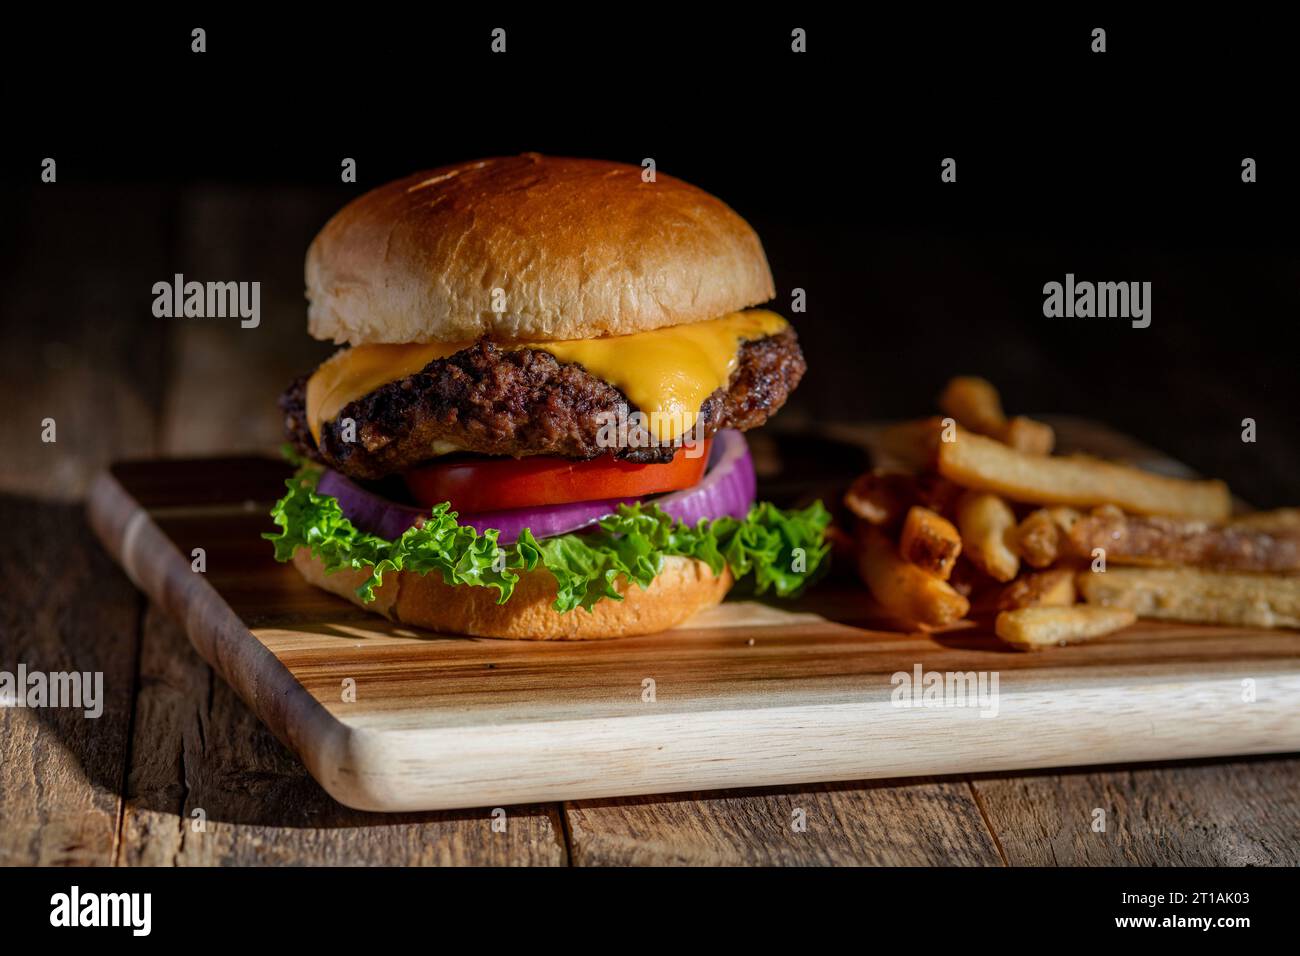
point(519, 403)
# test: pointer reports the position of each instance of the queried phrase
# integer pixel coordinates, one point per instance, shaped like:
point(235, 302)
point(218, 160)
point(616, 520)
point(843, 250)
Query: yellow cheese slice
point(667, 373)
point(358, 371)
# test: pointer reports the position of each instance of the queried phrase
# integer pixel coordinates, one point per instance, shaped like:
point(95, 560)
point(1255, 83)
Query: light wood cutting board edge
point(157, 568)
point(437, 768)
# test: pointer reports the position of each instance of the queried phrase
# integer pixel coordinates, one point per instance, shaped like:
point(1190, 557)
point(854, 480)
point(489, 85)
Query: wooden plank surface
point(66, 607)
point(920, 823)
point(87, 352)
point(84, 352)
point(81, 354)
point(1203, 813)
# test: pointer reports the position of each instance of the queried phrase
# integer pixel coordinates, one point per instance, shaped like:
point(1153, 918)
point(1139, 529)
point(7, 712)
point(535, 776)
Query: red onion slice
point(370, 512)
point(727, 488)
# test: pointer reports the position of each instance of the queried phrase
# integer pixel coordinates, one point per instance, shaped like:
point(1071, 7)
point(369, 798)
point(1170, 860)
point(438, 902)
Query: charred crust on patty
point(519, 403)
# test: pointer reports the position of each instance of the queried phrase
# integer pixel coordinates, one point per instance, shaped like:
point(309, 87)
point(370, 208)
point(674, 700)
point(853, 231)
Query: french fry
point(935, 492)
point(987, 526)
point(1042, 589)
point(929, 541)
point(967, 580)
point(1027, 435)
point(883, 497)
point(1193, 595)
point(1033, 628)
point(1282, 520)
point(912, 446)
point(1065, 517)
point(904, 590)
point(1038, 539)
point(988, 465)
point(976, 405)
point(1165, 542)
point(880, 497)
point(1174, 550)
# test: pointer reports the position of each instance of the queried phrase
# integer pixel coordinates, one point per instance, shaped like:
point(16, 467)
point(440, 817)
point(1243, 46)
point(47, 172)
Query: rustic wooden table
point(83, 349)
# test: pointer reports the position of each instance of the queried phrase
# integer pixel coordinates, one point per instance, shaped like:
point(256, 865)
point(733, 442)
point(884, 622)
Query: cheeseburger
point(534, 426)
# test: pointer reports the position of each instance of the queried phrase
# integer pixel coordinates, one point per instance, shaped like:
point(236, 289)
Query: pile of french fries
point(970, 514)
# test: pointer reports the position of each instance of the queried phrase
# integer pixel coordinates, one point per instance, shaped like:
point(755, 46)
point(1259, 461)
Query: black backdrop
point(1118, 166)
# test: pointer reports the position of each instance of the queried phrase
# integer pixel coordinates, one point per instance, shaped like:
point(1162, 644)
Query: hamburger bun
point(684, 587)
point(579, 248)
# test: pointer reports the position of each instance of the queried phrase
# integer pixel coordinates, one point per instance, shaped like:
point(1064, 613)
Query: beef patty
point(519, 403)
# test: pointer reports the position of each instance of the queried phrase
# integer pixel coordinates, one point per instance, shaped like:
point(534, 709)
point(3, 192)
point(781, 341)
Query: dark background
point(1119, 166)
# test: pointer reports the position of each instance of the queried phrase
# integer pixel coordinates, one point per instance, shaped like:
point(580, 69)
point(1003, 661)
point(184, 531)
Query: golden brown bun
point(684, 587)
point(578, 248)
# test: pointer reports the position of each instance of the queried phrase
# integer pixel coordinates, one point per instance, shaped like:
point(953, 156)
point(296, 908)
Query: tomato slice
point(497, 484)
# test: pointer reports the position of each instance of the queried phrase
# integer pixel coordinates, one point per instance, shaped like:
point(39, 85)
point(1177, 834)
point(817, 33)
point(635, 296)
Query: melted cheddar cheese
point(667, 373)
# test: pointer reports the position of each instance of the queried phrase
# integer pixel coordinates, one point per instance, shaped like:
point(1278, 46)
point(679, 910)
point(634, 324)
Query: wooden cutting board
point(746, 694)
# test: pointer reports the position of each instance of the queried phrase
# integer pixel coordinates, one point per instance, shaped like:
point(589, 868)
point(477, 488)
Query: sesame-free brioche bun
point(577, 247)
point(683, 587)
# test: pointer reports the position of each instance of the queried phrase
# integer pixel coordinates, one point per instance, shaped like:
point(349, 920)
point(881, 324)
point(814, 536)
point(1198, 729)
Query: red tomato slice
point(496, 484)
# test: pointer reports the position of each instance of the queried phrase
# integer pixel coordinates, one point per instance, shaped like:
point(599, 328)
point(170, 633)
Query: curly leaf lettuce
point(783, 550)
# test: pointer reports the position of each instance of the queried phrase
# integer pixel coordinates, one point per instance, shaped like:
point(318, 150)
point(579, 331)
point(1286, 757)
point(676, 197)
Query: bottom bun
point(683, 587)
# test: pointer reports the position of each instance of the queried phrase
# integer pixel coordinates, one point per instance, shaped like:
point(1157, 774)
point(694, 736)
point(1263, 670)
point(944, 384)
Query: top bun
point(579, 248)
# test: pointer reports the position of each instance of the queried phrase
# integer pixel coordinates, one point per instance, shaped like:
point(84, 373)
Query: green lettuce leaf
point(783, 550)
